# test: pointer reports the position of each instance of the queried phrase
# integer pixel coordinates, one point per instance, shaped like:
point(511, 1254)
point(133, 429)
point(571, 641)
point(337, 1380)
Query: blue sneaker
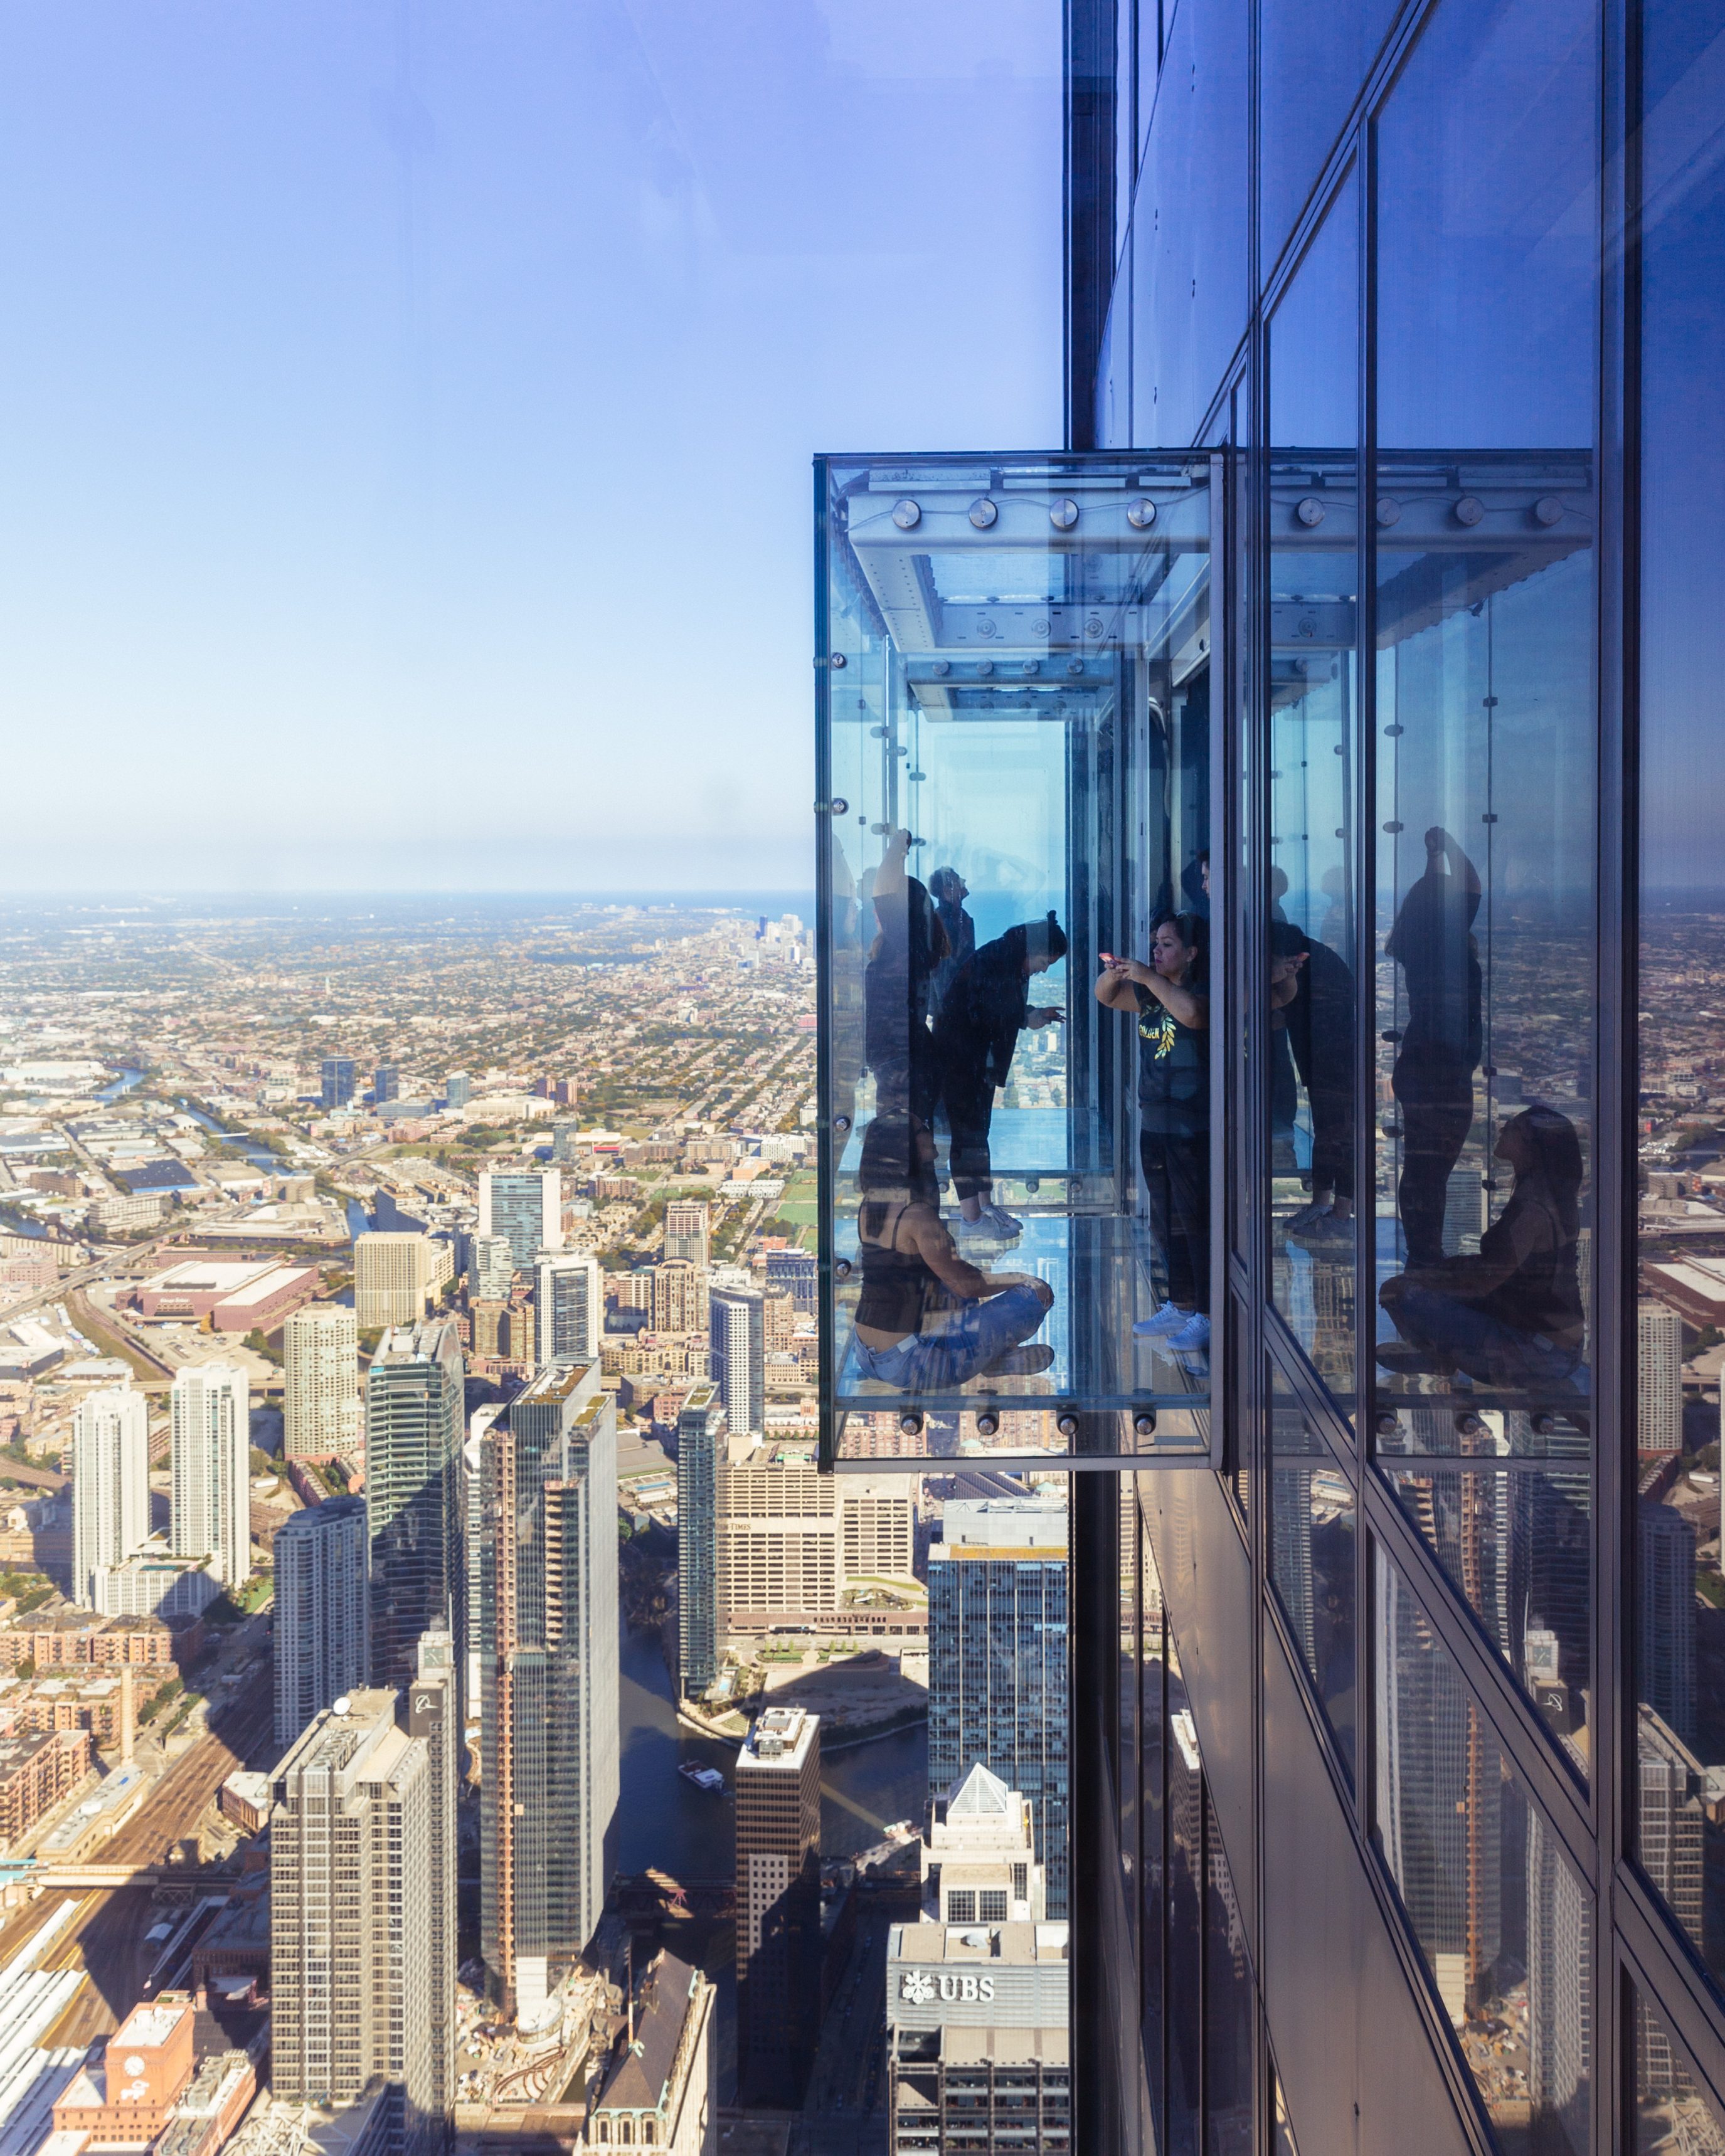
point(1169, 1319)
point(1192, 1335)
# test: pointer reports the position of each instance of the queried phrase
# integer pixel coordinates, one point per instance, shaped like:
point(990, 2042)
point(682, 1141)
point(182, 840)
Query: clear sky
point(406, 408)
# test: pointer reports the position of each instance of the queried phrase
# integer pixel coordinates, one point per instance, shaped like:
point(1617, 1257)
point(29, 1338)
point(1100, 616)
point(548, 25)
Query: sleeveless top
point(897, 1285)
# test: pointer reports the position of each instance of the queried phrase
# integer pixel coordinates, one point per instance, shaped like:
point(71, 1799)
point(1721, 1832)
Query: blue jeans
point(1490, 1351)
point(936, 1362)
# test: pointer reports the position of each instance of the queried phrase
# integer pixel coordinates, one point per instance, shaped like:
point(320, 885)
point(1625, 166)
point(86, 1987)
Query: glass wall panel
point(1516, 1539)
point(1230, 2004)
point(1313, 770)
point(1502, 1918)
point(1018, 761)
point(1312, 63)
point(1153, 1755)
point(1678, 1601)
point(1183, 1976)
point(1484, 511)
point(1312, 1524)
point(1671, 2117)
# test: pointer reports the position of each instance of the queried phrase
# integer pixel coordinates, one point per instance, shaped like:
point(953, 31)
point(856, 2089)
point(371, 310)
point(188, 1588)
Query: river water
point(259, 1156)
point(667, 1822)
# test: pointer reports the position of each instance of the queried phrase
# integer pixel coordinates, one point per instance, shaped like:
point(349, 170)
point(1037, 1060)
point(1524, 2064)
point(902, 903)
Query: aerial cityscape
point(407, 1369)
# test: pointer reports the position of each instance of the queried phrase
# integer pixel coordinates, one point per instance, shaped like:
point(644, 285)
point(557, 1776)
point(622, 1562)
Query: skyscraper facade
point(322, 1610)
point(526, 1206)
point(415, 1419)
point(701, 1442)
point(491, 1268)
point(353, 1827)
point(337, 1085)
point(685, 1230)
point(679, 1297)
point(736, 1357)
point(549, 1731)
point(386, 1083)
point(435, 1720)
point(998, 1621)
point(1658, 1378)
point(111, 1483)
point(569, 1307)
point(794, 1273)
point(320, 1403)
point(211, 1407)
point(778, 1796)
point(391, 1278)
point(458, 1089)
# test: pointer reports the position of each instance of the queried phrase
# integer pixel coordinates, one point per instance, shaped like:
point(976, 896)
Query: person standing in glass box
point(1171, 999)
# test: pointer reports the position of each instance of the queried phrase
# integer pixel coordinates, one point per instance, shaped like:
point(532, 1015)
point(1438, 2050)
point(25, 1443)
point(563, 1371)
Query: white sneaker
point(983, 1225)
point(1194, 1335)
point(1005, 1223)
point(1169, 1319)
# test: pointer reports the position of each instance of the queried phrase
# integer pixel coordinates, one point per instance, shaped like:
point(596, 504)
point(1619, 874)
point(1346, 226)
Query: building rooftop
point(780, 1737)
point(150, 2024)
point(639, 2074)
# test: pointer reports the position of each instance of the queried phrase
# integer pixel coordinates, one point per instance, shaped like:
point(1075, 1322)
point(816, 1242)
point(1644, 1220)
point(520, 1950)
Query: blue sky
point(405, 413)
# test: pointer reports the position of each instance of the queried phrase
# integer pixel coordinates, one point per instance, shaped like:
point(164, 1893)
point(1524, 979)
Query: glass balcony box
point(1014, 777)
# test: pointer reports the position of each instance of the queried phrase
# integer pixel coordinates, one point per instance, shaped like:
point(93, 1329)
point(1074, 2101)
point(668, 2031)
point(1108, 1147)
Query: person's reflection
point(986, 1006)
point(1512, 1315)
point(950, 890)
point(1432, 942)
point(909, 944)
point(1171, 999)
point(1287, 957)
point(1321, 1038)
point(928, 1319)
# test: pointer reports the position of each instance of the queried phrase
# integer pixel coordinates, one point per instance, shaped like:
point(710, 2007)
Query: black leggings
point(969, 1097)
point(1177, 1174)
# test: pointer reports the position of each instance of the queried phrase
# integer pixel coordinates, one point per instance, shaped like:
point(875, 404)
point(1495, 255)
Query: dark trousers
point(1332, 1139)
point(969, 1097)
point(1435, 1094)
point(1177, 1174)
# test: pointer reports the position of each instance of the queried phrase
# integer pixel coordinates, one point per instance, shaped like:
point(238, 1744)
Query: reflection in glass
point(1503, 1919)
point(1182, 1981)
point(1516, 1538)
point(1678, 1599)
point(1017, 750)
point(1671, 2115)
point(1231, 2008)
point(1312, 1524)
point(1152, 1756)
point(1313, 751)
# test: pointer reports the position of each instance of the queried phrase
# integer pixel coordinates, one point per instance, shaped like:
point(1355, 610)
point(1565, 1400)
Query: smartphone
point(1108, 957)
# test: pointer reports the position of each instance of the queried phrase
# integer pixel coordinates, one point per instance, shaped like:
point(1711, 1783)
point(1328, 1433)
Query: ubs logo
point(918, 1988)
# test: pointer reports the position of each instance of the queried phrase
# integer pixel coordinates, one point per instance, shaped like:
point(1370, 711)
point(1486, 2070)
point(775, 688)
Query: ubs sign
point(921, 1987)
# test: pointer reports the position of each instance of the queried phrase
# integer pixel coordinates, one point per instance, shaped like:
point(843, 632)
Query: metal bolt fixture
point(1389, 1425)
point(1064, 513)
point(1470, 510)
point(1469, 1424)
point(987, 1423)
point(841, 807)
point(1067, 1424)
point(1031, 666)
point(941, 669)
point(985, 668)
point(1144, 1425)
point(1543, 1425)
point(982, 512)
point(837, 661)
point(1074, 666)
point(1548, 509)
point(841, 1269)
point(841, 1123)
point(911, 1424)
point(1310, 510)
point(1389, 511)
point(1141, 514)
point(906, 514)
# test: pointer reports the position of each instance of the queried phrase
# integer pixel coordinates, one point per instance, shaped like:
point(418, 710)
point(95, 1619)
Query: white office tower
point(1658, 1380)
point(391, 1276)
point(212, 1469)
point(479, 1423)
point(526, 1204)
point(490, 1270)
point(352, 1927)
point(322, 1613)
point(736, 1357)
point(110, 1485)
point(685, 1230)
point(321, 1404)
point(979, 1861)
point(569, 1292)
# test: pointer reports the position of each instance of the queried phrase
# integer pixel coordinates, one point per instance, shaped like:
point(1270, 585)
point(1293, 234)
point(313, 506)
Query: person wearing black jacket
point(986, 1006)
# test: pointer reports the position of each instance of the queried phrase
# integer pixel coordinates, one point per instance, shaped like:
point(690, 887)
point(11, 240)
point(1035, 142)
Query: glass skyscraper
point(1270, 920)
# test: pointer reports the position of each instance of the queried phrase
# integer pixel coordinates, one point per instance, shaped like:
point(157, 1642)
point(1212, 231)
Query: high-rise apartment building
point(386, 1083)
point(700, 1444)
point(491, 1268)
point(686, 1231)
point(997, 1663)
point(526, 1206)
point(549, 1732)
point(458, 1089)
point(338, 1088)
point(473, 1549)
point(211, 1407)
point(793, 1543)
point(778, 1940)
point(352, 1927)
point(736, 1357)
point(391, 1278)
point(435, 1720)
point(569, 1306)
point(320, 1403)
point(110, 1485)
point(415, 1421)
point(1658, 1378)
point(679, 1297)
point(321, 1557)
point(796, 1274)
point(1666, 1636)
